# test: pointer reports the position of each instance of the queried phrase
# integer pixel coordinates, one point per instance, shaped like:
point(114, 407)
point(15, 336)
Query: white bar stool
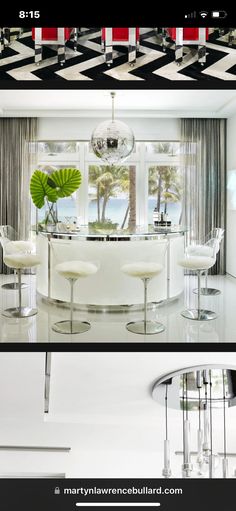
point(199, 264)
point(19, 262)
point(72, 271)
point(23, 247)
point(12, 247)
point(145, 271)
point(210, 248)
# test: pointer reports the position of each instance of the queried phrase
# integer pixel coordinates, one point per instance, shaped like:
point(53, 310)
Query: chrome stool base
point(16, 312)
point(71, 327)
point(199, 314)
point(14, 286)
point(207, 291)
point(148, 328)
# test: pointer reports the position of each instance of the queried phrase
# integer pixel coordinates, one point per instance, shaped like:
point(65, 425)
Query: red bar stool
point(120, 37)
point(187, 37)
point(53, 36)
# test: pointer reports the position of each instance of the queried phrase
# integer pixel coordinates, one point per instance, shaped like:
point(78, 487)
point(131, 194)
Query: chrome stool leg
point(14, 285)
point(208, 291)
point(199, 314)
point(71, 326)
point(19, 312)
point(145, 327)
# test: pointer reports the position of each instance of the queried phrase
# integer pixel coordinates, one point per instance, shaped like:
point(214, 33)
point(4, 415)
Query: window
point(66, 207)
point(165, 191)
point(165, 183)
point(57, 149)
point(54, 155)
point(112, 196)
point(121, 196)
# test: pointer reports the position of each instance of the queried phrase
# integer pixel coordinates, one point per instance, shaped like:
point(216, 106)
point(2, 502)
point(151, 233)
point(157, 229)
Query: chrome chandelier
point(112, 141)
point(198, 390)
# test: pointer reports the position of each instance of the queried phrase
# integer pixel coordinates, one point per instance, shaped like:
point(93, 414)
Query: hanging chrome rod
point(195, 453)
point(34, 448)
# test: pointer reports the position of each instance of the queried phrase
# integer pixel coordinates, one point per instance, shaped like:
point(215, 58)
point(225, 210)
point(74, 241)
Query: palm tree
point(108, 183)
point(128, 185)
point(165, 183)
point(164, 148)
point(95, 172)
point(156, 176)
point(54, 147)
point(172, 189)
point(132, 196)
point(107, 180)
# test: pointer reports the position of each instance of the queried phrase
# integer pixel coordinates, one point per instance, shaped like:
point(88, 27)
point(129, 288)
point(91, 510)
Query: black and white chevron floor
point(17, 61)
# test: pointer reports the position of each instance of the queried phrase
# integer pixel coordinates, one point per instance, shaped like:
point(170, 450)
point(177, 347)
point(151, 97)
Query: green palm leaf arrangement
point(46, 189)
point(61, 183)
point(66, 181)
point(40, 189)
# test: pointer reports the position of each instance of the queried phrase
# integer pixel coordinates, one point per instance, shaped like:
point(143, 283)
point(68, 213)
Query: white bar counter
point(109, 288)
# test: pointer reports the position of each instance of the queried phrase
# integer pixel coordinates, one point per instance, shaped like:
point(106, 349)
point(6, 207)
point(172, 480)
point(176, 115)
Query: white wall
point(70, 128)
point(231, 213)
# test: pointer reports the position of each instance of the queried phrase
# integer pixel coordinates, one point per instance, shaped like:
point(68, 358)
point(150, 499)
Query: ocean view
point(115, 210)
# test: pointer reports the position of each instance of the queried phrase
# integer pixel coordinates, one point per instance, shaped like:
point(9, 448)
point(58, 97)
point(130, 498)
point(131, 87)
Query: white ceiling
point(22, 378)
point(100, 406)
point(148, 103)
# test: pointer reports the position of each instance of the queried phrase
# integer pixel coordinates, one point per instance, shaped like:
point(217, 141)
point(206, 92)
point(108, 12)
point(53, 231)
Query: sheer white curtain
point(17, 158)
point(203, 159)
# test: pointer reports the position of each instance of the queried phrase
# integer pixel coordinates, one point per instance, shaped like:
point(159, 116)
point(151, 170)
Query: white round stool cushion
point(75, 269)
point(200, 250)
point(19, 246)
point(20, 260)
point(143, 270)
point(197, 263)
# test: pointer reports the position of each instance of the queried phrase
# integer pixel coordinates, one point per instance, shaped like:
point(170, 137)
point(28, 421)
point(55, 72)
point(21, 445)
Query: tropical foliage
point(165, 182)
point(106, 182)
point(46, 189)
point(57, 147)
point(110, 181)
point(60, 183)
point(170, 148)
point(41, 189)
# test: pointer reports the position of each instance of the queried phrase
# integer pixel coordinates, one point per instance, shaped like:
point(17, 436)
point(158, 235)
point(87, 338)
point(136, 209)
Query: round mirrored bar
point(110, 290)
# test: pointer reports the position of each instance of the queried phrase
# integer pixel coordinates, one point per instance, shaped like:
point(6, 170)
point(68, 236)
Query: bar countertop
point(110, 288)
point(84, 232)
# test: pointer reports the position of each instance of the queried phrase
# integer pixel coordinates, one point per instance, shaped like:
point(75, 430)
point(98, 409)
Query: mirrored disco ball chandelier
point(202, 394)
point(112, 141)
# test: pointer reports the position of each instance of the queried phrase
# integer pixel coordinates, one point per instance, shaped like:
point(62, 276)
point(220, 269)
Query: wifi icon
point(203, 14)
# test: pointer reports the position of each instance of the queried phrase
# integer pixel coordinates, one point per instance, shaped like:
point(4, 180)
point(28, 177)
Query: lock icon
point(57, 490)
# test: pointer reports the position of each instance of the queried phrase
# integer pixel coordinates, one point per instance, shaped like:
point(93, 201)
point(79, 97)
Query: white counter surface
point(109, 287)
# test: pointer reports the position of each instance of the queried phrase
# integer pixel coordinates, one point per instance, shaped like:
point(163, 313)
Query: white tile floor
point(110, 327)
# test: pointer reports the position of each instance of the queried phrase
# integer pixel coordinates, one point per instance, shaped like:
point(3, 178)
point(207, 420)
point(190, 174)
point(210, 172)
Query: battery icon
point(218, 14)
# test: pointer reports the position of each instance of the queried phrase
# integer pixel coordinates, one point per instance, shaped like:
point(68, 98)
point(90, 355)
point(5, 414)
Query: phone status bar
point(163, 16)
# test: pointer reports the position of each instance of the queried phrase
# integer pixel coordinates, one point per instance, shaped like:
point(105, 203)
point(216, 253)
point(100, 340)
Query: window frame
point(83, 158)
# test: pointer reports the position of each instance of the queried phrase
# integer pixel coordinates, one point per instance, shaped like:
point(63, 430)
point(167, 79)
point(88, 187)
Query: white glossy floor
point(110, 327)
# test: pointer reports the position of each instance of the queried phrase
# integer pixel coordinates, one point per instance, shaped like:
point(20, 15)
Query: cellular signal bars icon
point(191, 15)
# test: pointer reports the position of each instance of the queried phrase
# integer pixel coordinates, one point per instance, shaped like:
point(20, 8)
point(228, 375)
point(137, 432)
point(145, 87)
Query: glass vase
point(51, 218)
